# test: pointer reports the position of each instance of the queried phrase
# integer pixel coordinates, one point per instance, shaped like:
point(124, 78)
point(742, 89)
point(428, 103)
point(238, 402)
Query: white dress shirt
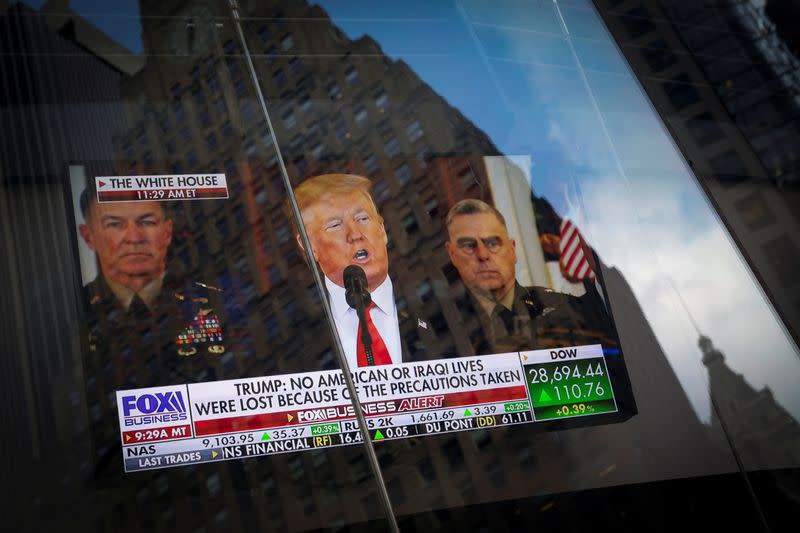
point(384, 316)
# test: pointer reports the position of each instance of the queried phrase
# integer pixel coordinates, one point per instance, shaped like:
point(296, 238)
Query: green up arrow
point(544, 397)
point(378, 435)
point(467, 412)
point(265, 436)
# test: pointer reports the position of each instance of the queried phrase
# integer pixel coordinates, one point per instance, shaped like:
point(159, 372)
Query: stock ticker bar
point(175, 425)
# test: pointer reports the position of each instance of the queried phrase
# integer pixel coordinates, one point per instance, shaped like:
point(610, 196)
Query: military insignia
point(422, 324)
point(548, 310)
point(204, 328)
point(95, 299)
point(200, 300)
point(216, 348)
point(180, 297)
point(187, 351)
point(209, 287)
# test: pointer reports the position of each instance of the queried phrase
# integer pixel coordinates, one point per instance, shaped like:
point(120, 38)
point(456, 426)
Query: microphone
point(356, 293)
point(356, 289)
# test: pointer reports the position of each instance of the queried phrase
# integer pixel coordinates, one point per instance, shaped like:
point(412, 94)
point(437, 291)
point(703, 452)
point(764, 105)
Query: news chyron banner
point(216, 421)
point(161, 188)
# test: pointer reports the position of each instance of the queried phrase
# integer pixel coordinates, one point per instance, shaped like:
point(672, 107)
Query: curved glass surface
point(142, 192)
point(562, 321)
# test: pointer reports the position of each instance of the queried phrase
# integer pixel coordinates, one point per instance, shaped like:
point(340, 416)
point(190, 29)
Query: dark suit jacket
point(544, 318)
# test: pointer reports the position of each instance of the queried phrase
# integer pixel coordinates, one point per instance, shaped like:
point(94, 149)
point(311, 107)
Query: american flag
point(572, 259)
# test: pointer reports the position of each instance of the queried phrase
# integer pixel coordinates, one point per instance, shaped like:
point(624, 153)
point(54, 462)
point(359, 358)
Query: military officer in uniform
point(135, 303)
point(513, 317)
point(147, 325)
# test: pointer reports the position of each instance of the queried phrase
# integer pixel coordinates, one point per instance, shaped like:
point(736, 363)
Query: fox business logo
point(159, 407)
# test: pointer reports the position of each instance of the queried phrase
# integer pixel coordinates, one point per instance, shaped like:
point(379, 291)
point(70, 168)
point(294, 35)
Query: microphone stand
point(383, 493)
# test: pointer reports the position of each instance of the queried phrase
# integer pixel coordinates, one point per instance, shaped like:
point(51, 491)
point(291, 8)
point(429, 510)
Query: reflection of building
point(60, 97)
point(727, 87)
point(764, 434)
point(337, 104)
point(340, 105)
point(511, 193)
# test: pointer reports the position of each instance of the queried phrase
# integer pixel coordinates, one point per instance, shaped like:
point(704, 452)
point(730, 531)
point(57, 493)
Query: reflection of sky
point(645, 215)
point(507, 66)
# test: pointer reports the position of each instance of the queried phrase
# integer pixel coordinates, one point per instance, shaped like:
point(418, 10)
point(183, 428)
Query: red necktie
point(380, 354)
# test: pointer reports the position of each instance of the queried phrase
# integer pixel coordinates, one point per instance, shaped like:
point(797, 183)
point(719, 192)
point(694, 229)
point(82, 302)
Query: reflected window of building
point(342, 135)
point(410, 224)
point(426, 471)
point(414, 131)
point(681, 92)
point(213, 484)
point(755, 211)
point(211, 141)
point(361, 117)
point(279, 77)
point(240, 87)
point(658, 55)
point(295, 65)
point(289, 120)
point(176, 90)
point(638, 21)
point(213, 83)
point(250, 149)
point(728, 167)
point(392, 147)
point(230, 168)
point(287, 42)
point(371, 163)
point(351, 74)
point(380, 190)
point(266, 137)
point(204, 118)
point(450, 274)
point(382, 100)
point(403, 174)
point(198, 96)
point(783, 256)
point(334, 90)
point(223, 228)
point(424, 291)
point(396, 491)
point(234, 67)
point(219, 105)
point(452, 451)
point(432, 207)
point(306, 104)
point(704, 129)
